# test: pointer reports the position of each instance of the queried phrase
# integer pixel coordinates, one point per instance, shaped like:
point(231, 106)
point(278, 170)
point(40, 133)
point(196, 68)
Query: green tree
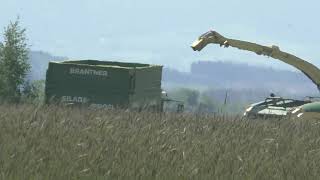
point(207, 104)
point(193, 97)
point(189, 96)
point(14, 64)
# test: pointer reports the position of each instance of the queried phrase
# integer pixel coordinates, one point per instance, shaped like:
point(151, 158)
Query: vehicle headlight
point(296, 110)
point(249, 108)
point(299, 115)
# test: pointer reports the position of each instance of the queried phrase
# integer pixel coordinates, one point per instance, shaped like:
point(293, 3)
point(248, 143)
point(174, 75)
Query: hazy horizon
point(161, 32)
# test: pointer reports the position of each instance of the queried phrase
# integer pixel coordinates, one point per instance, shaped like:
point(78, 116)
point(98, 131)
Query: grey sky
point(162, 31)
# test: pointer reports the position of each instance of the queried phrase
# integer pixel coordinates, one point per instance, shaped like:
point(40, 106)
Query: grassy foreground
point(62, 143)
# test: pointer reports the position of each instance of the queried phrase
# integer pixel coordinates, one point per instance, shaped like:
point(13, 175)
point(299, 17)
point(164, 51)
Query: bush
point(33, 92)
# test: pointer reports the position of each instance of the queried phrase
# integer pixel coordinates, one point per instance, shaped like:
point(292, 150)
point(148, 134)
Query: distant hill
point(210, 75)
point(213, 74)
point(39, 63)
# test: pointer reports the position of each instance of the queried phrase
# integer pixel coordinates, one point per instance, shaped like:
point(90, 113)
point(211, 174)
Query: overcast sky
point(161, 31)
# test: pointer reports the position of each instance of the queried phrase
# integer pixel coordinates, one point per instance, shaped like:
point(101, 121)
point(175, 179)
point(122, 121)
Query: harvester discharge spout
point(213, 37)
point(274, 105)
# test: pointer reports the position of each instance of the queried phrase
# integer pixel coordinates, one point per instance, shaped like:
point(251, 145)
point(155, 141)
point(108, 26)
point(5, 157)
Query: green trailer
point(104, 84)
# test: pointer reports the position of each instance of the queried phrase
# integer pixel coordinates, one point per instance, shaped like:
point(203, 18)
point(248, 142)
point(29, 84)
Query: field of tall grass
point(50, 142)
